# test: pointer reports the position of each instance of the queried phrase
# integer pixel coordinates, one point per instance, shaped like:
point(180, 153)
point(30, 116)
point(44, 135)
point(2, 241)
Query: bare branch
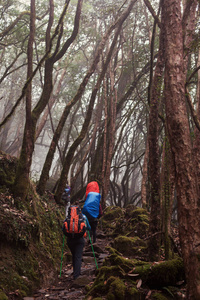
point(150, 8)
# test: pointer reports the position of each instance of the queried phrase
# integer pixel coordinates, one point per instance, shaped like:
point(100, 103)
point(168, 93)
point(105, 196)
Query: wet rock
point(81, 281)
point(88, 259)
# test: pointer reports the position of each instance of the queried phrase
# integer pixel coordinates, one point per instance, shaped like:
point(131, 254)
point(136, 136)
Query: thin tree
point(22, 176)
point(154, 160)
point(28, 139)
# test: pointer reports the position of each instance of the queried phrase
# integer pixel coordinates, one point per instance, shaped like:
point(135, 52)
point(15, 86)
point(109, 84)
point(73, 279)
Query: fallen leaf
point(139, 283)
point(131, 270)
point(148, 295)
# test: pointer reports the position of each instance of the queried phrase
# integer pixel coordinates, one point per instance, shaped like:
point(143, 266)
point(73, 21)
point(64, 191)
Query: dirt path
point(67, 288)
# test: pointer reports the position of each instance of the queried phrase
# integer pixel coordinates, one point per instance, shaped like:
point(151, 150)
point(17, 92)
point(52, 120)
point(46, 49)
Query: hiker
point(75, 226)
point(66, 198)
point(92, 207)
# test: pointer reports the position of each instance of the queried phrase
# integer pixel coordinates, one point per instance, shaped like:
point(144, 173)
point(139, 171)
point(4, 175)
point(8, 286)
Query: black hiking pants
point(76, 247)
point(93, 224)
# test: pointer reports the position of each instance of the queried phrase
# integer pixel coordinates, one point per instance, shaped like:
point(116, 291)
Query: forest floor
point(65, 287)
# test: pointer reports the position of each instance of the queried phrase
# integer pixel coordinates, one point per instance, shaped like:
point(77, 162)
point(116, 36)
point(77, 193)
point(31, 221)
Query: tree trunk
point(167, 186)
point(179, 135)
point(144, 178)
point(48, 162)
point(50, 105)
point(154, 160)
point(21, 184)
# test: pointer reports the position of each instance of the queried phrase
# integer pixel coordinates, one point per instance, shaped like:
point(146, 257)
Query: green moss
point(8, 166)
point(162, 274)
point(32, 239)
point(132, 292)
point(117, 288)
point(129, 245)
point(3, 296)
point(104, 273)
point(166, 273)
point(97, 289)
point(112, 213)
point(133, 211)
point(159, 296)
point(118, 260)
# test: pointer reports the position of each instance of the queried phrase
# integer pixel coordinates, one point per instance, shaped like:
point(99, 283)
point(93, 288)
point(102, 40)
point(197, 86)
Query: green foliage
point(129, 245)
point(119, 272)
point(3, 296)
point(31, 241)
point(8, 165)
point(130, 221)
point(116, 290)
point(159, 296)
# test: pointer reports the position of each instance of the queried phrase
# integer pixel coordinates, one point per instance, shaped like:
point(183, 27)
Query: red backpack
point(74, 225)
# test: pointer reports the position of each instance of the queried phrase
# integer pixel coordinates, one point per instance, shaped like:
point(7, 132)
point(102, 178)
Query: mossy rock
point(3, 296)
point(129, 246)
point(133, 294)
point(133, 211)
point(131, 227)
point(160, 296)
point(18, 226)
point(116, 259)
point(131, 221)
point(137, 221)
point(110, 218)
point(116, 289)
point(8, 166)
point(166, 273)
point(112, 213)
point(134, 221)
point(31, 242)
point(99, 287)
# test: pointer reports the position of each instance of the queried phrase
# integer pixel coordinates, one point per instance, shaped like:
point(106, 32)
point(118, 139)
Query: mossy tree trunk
point(154, 160)
point(21, 184)
point(166, 195)
point(180, 141)
point(196, 144)
point(144, 183)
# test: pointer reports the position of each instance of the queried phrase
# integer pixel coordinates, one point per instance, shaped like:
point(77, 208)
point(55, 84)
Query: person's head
point(67, 189)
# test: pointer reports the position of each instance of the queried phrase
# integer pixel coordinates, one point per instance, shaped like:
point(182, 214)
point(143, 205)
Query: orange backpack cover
point(74, 225)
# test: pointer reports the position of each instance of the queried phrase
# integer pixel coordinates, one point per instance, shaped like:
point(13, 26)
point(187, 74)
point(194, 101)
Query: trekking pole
point(92, 249)
point(62, 254)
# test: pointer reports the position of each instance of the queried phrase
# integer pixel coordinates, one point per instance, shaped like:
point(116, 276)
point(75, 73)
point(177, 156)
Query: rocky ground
point(67, 288)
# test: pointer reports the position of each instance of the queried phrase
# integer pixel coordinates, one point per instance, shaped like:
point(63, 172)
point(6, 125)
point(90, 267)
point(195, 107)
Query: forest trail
point(67, 288)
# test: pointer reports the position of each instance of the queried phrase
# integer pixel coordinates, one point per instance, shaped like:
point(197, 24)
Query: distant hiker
point(74, 227)
point(92, 207)
point(66, 198)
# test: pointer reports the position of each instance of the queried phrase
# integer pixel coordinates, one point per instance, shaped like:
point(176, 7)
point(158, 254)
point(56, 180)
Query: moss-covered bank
point(30, 243)
point(123, 278)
